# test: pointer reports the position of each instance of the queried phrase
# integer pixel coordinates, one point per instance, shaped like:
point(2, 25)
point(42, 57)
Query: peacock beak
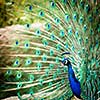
point(63, 60)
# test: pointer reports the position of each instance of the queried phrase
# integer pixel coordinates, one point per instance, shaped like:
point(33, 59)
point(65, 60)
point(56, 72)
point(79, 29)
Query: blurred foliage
point(14, 11)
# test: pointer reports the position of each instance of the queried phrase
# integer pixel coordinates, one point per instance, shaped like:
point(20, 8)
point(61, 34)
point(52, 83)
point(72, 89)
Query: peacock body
point(31, 54)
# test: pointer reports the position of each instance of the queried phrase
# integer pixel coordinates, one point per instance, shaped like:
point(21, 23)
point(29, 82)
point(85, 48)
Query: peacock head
point(65, 61)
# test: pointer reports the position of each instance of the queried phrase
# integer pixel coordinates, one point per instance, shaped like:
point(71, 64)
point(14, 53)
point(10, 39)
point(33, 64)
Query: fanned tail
point(30, 54)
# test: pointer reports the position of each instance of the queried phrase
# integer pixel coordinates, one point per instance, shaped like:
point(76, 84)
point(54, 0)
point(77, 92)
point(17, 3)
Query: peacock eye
point(66, 62)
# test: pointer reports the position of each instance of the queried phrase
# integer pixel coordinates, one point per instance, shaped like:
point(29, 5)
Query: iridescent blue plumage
point(74, 83)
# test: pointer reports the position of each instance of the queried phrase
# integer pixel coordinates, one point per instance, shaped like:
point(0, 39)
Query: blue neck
point(70, 71)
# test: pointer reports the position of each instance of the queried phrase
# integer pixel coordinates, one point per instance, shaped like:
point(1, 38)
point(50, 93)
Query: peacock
point(45, 45)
